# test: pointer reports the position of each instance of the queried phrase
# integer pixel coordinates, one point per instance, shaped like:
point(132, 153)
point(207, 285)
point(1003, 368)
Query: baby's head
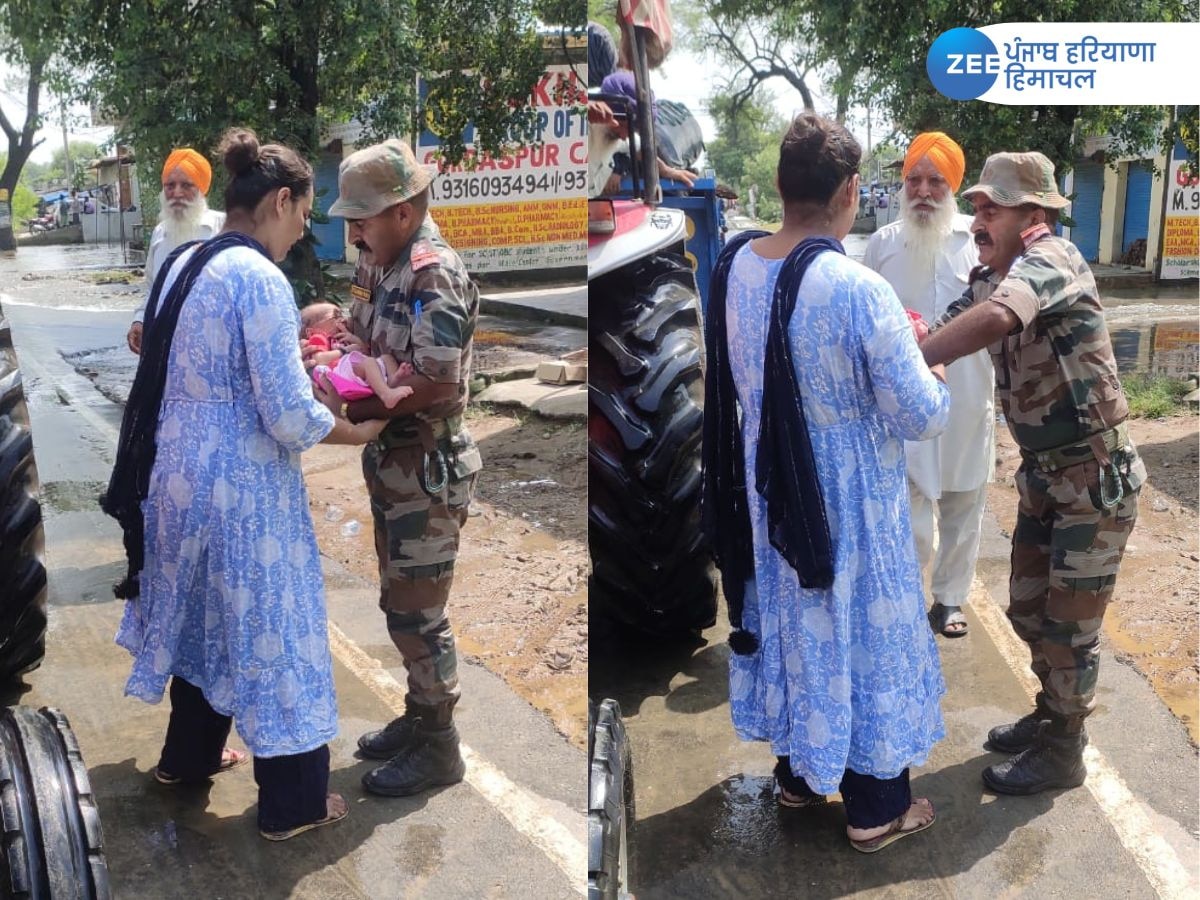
point(320, 318)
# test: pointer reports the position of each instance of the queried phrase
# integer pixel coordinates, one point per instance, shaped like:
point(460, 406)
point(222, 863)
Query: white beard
point(925, 233)
point(181, 223)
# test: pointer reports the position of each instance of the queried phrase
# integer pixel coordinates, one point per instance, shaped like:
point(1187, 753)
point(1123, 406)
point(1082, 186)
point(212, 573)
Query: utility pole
point(1162, 226)
point(66, 147)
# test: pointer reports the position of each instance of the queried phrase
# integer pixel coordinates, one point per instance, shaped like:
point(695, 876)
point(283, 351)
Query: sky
point(688, 77)
point(12, 101)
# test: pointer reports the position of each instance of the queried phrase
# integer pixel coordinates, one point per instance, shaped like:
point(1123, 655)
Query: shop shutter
point(1137, 204)
point(1085, 209)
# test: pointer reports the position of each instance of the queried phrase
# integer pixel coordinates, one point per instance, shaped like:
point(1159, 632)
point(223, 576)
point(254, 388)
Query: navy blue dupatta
point(786, 470)
point(138, 444)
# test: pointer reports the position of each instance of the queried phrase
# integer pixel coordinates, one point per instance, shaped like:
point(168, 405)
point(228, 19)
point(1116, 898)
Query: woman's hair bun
point(240, 150)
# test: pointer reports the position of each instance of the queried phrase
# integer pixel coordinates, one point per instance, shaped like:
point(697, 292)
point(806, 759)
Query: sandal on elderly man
point(948, 621)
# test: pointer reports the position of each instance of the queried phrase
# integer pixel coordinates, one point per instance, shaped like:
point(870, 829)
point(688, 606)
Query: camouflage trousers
point(1066, 551)
point(416, 541)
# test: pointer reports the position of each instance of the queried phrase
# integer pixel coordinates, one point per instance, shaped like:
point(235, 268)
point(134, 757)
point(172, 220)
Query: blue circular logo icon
point(962, 63)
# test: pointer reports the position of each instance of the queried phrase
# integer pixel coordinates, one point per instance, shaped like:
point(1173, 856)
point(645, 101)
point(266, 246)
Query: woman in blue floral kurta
point(845, 683)
point(231, 608)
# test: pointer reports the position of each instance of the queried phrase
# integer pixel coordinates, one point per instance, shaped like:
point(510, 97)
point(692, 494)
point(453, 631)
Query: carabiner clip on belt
point(443, 470)
point(1110, 475)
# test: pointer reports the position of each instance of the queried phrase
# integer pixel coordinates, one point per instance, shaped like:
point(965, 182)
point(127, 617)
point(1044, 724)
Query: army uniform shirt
point(421, 472)
point(422, 311)
point(1056, 377)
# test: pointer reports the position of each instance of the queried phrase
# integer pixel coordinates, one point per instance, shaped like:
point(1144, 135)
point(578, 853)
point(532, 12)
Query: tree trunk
point(20, 146)
point(8, 237)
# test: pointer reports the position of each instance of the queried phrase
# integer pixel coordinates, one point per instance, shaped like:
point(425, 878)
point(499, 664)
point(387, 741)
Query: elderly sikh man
point(927, 257)
point(184, 216)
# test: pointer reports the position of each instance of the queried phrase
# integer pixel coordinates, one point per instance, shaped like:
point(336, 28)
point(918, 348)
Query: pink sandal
point(230, 759)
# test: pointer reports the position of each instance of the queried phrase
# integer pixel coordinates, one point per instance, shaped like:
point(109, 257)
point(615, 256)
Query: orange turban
point(946, 156)
point(194, 165)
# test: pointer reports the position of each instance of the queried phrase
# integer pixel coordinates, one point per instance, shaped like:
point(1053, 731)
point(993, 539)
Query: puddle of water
point(1157, 348)
point(56, 257)
point(747, 821)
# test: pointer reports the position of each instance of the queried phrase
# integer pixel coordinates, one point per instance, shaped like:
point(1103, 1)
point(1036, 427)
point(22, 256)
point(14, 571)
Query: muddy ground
point(519, 604)
point(1153, 623)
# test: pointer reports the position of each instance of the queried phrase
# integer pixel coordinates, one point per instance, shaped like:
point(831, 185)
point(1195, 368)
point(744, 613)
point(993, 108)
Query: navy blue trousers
point(870, 802)
point(291, 789)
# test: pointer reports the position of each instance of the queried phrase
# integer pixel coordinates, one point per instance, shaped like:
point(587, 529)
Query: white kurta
point(160, 248)
point(963, 457)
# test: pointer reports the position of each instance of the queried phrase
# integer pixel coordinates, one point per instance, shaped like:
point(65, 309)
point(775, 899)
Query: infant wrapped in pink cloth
point(341, 375)
point(353, 375)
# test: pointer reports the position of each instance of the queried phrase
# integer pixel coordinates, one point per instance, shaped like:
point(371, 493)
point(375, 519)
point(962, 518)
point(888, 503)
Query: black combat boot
point(398, 735)
point(1054, 761)
point(403, 733)
point(435, 760)
point(1021, 734)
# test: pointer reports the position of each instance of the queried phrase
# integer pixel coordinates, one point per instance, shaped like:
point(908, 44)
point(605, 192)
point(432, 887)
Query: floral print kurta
point(847, 677)
point(232, 596)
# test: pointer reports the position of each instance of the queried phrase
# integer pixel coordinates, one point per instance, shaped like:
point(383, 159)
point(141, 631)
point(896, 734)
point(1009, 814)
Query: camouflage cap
point(1013, 179)
point(377, 177)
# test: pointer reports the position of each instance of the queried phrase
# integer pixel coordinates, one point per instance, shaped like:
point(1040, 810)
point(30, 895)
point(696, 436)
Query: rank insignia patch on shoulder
point(423, 256)
point(360, 293)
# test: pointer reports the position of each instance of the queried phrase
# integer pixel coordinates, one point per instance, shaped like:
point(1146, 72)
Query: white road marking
point(1128, 816)
point(525, 811)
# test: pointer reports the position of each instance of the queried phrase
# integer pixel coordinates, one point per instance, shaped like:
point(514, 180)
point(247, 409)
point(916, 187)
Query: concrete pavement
point(557, 305)
point(708, 826)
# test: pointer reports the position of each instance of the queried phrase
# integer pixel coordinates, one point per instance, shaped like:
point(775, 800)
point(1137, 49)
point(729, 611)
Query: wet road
point(513, 829)
point(709, 827)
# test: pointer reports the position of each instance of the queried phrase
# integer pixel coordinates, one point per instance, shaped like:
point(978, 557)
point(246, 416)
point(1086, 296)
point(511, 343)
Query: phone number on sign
point(474, 187)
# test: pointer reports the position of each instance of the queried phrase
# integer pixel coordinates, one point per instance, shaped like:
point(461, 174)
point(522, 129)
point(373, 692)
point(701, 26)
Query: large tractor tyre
point(22, 575)
point(53, 847)
point(650, 567)
point(610, 804)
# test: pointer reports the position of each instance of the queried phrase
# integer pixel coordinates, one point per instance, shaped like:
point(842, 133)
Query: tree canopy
point(163, 70)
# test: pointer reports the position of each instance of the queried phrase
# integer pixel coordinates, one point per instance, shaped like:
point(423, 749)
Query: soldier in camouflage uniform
point(1034, 304)
point(412, 298)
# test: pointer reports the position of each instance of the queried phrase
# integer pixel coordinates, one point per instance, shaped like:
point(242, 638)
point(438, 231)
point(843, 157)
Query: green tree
point(24, 204)
point(764, 43)
point(163, 70)
point(30, 36)
point(83, 154)
point(603, 12)
point(761, 170)
point(744, 130)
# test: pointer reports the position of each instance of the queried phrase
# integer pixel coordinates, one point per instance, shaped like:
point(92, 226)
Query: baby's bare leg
point(368, 370)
